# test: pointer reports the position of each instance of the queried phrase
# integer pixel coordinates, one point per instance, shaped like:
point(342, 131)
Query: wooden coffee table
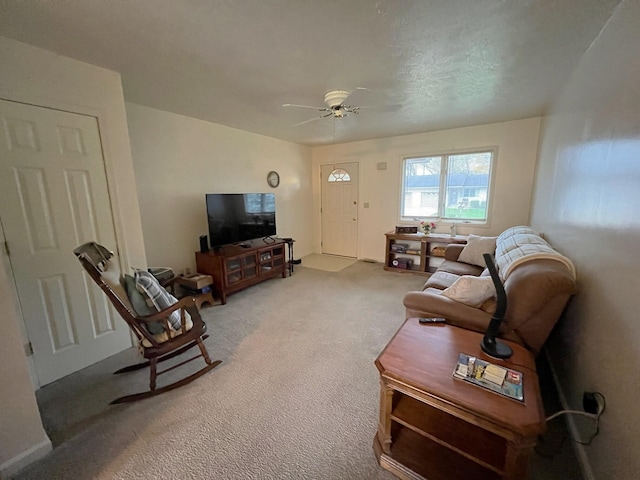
point(434, 426)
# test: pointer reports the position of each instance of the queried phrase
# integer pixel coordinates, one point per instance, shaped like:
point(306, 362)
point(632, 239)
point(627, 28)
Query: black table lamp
point(489, 344)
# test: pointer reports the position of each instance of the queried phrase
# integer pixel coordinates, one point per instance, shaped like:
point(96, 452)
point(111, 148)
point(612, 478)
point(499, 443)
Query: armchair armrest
point(431, 303)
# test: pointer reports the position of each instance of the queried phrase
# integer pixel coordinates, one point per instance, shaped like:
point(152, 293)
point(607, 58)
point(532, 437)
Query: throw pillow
point(139, 304)
point(475, 247)
point(470, 290)
point(161, 299)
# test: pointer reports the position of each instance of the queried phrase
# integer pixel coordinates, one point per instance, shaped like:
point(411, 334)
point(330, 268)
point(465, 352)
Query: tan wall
point(38, 77)
point(587, 201)
point(179, 159)
point(517, 144)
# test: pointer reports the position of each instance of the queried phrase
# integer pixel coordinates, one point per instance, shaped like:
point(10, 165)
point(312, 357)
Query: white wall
point(178, 159)
point(587, 201)
point(39, 77)
point(517, 143)
point(22, 437)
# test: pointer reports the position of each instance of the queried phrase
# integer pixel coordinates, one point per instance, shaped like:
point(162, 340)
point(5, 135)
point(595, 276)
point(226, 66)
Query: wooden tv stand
point(434, 426)
point(234, 268)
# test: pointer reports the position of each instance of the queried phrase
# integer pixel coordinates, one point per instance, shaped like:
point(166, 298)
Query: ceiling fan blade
point(379, 108)
point(310, 120)
point(321, 109)
point(352, 92)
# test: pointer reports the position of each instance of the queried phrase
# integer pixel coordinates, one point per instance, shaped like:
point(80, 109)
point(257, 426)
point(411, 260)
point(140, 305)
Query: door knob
point(354, 219)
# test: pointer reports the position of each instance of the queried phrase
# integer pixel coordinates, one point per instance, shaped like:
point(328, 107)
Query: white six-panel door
point(339, 192)
point(54, 197)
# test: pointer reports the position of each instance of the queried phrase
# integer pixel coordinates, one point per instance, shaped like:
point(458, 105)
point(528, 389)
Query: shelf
point(425, 457)
point(423, 267)
point(444, 429)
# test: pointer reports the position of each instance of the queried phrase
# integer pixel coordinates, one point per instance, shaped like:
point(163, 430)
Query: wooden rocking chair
point(158, 347)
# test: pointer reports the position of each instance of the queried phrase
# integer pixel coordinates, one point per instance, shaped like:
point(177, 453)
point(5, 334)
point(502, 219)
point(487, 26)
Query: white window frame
point(442, 185)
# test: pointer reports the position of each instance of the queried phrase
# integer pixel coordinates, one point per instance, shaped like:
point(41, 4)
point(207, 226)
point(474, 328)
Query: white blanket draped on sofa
point(518, 245)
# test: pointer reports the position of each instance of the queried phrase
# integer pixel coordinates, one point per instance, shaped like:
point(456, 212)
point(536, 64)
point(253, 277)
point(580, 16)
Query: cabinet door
point(249, 266)
point(271, 258)
point(239, 268)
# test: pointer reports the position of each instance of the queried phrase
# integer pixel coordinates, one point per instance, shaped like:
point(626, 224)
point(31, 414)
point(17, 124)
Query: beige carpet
point(328, 263)
point(296, 397)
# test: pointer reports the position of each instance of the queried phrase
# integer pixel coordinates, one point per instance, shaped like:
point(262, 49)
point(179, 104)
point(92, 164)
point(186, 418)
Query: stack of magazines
point(498, 379)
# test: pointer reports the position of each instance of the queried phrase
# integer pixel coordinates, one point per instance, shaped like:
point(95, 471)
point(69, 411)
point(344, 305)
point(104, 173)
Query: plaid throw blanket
point(518, 245)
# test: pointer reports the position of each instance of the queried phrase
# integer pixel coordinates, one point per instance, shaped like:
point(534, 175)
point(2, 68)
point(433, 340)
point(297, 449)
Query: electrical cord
point(577, 412)
point(595, 416)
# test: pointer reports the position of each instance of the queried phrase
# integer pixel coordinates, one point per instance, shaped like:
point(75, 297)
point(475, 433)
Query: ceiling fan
point(335, 101)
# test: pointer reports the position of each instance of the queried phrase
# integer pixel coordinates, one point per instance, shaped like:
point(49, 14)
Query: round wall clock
point(273, 179)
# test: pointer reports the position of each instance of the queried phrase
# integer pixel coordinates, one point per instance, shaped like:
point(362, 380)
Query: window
point(339, 175)
point(450, 187)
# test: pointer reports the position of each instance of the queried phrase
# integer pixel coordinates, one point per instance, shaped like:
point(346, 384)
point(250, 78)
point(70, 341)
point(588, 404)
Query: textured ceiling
point(427, 64)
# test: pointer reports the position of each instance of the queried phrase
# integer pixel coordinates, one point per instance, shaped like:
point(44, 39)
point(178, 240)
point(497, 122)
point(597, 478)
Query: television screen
point(238, 217)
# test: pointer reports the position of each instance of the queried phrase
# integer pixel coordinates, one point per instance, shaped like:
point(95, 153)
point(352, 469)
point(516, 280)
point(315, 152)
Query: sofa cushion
point(470, 290)
point(452, 251)
point(474, 249)
point(459, 268)
point(441, 280)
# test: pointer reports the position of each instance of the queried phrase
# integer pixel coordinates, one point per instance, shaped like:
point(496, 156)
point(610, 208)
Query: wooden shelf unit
point(420, 253)
point(436, 427)
point(234, 268)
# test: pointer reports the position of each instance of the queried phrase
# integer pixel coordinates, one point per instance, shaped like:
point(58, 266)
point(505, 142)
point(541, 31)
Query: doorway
point(339, 213)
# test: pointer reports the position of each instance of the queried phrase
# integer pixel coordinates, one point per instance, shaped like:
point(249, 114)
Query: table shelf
point(424, 457)
point(439, 426)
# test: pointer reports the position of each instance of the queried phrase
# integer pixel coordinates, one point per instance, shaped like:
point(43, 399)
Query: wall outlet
point(593, 402)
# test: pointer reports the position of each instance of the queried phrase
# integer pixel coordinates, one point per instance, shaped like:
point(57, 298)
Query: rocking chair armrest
point(186, 306)
point(183, 303)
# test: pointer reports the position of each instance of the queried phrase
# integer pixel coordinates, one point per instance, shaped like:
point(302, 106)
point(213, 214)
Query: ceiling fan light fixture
point(334, 98)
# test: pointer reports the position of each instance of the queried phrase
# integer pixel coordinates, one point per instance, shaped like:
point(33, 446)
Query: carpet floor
point(296, 395)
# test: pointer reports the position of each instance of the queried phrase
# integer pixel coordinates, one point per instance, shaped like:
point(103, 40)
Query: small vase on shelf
point(427, 227)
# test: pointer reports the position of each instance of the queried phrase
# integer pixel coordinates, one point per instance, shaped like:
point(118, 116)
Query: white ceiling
point(428, 64)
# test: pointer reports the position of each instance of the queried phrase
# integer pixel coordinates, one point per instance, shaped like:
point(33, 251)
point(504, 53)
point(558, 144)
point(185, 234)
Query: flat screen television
point(238, 217)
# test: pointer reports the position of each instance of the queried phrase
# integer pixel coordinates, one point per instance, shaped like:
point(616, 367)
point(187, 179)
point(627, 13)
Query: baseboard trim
point(581, 454)
point(13, 465)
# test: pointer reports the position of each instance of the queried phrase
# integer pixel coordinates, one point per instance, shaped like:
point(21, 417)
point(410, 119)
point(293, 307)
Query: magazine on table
point(487, 375)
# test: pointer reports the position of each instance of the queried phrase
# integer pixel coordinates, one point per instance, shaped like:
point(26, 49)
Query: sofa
point(538, 280)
